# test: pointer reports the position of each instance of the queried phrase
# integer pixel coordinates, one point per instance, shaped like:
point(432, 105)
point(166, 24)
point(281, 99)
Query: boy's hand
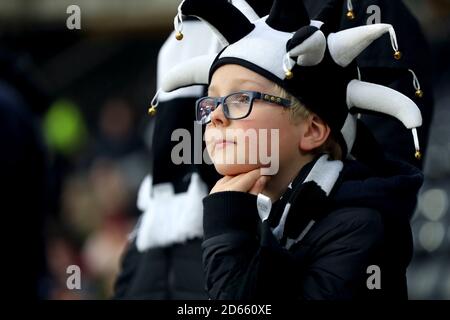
point(252, 182)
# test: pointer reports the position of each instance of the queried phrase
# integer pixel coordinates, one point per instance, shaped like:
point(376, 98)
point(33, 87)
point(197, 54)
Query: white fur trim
point(346, 45)
point(263, 46)
point(311, 51)
point(168, 217)
point(325, 173)
point(374, 97)
point(143, 198)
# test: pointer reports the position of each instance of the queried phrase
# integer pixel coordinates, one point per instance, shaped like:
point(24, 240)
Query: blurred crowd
point(99, 177)
point(428, 274)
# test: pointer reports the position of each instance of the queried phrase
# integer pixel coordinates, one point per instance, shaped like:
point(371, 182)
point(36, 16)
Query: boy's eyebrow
point(253, 83)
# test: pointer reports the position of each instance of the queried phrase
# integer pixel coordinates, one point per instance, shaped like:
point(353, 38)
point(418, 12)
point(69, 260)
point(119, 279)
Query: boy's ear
point(314, 133)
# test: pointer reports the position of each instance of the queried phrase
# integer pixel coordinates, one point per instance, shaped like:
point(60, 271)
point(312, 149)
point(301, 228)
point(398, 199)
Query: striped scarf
point(305, 201)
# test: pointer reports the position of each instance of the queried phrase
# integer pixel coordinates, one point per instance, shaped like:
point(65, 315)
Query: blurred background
point(86, 94)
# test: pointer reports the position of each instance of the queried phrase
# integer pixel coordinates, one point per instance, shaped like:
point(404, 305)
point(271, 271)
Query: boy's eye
point(207, 104)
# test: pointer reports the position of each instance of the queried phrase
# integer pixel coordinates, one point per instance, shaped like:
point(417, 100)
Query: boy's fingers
point(220, 184)
point(246, 181)
point(225, 179)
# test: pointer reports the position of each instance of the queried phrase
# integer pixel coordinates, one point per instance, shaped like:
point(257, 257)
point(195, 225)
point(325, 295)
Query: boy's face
point(266, 138)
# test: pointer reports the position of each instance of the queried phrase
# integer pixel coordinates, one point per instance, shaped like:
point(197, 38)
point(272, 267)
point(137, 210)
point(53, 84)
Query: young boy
point(324, 226)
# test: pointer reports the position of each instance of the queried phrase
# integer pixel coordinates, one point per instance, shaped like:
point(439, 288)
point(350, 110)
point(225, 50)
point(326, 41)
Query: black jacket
point(368, 224)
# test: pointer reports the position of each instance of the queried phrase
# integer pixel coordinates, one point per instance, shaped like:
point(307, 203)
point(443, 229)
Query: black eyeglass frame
point(254, 95)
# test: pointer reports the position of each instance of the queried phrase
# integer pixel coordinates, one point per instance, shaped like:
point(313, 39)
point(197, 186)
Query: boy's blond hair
point(299, 111)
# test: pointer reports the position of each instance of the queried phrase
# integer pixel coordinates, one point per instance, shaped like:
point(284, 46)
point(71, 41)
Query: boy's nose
point(218, 117)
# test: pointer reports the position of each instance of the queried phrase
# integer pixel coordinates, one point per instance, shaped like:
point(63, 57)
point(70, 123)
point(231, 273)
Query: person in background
point(163, 256)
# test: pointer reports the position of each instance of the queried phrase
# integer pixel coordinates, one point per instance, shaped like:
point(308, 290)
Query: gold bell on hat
point(419, 93)
point(418, 155)
point(289, 74)
point(151, 111)
point(350, 15)
point(179, 36)
point(397, 55)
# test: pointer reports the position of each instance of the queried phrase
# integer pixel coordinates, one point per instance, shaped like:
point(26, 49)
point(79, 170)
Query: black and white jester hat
point(305, 57)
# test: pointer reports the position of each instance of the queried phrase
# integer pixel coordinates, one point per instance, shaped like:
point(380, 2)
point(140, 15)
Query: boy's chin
point(234, 169)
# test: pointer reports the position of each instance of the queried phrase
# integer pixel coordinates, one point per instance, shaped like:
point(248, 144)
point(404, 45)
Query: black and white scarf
point(305, 201)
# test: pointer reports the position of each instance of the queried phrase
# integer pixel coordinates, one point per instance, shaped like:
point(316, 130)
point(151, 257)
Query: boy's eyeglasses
point(236, 105)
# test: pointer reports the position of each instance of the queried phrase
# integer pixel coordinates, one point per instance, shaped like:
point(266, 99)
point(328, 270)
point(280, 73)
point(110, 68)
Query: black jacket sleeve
point(243, 260)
